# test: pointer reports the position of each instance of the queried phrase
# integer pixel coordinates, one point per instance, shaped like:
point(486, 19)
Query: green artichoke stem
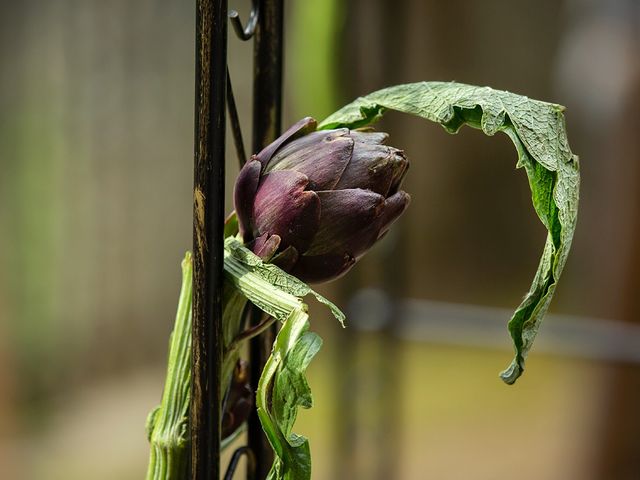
point(168, 424)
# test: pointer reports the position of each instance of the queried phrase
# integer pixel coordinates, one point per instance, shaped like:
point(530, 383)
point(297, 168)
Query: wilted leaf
point(537, 130)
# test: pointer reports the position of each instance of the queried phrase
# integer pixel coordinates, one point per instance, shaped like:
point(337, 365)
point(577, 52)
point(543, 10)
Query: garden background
point(96, 132)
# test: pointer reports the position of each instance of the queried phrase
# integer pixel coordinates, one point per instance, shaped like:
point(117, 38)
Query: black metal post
point(267, 113)
point(208, 220)
point(267, 74)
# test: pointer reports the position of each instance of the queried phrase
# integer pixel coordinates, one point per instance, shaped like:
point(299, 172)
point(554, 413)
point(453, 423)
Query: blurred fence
point(476, 326)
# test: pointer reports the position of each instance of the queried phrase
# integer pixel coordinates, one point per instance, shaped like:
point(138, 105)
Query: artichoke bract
point(314, 201)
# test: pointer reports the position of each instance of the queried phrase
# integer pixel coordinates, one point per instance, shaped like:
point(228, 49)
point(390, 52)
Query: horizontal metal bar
point(485, 327)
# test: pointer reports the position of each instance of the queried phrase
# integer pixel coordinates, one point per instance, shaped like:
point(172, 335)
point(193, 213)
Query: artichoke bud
point(314, 201)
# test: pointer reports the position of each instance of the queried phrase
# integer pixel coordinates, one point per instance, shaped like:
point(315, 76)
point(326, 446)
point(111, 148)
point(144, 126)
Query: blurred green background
point(96, 132)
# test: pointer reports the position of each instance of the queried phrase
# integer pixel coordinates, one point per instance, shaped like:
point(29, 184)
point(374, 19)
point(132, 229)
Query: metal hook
point(245, 33)
point(235, 459)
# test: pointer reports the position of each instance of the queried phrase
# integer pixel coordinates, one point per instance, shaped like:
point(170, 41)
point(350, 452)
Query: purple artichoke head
point(314, 201)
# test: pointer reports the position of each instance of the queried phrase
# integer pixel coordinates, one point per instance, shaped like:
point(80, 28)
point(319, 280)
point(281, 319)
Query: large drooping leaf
point(537, 130)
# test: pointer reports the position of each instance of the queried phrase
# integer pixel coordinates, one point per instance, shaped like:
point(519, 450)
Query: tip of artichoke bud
point(265, 246)
point(298, 129)
point(370, 136)
point(401, 164)
point(394, 206)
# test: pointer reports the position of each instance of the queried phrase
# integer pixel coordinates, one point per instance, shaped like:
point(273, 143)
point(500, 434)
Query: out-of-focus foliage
point(313, 49)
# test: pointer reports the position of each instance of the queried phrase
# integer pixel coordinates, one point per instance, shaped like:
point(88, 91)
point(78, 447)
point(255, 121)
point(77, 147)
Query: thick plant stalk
point(167, 425)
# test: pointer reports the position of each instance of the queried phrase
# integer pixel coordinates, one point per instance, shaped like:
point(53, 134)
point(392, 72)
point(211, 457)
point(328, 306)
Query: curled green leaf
point(538, 132)
point(283, 387)
point(281, 390)
point(255, 279)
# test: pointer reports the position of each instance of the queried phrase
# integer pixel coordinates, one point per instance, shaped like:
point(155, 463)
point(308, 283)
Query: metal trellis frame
point(213, 94)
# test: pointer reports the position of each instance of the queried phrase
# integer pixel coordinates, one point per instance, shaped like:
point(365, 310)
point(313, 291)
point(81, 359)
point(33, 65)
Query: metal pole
point(267, 74)
point(267, 113)
point(208, 220)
